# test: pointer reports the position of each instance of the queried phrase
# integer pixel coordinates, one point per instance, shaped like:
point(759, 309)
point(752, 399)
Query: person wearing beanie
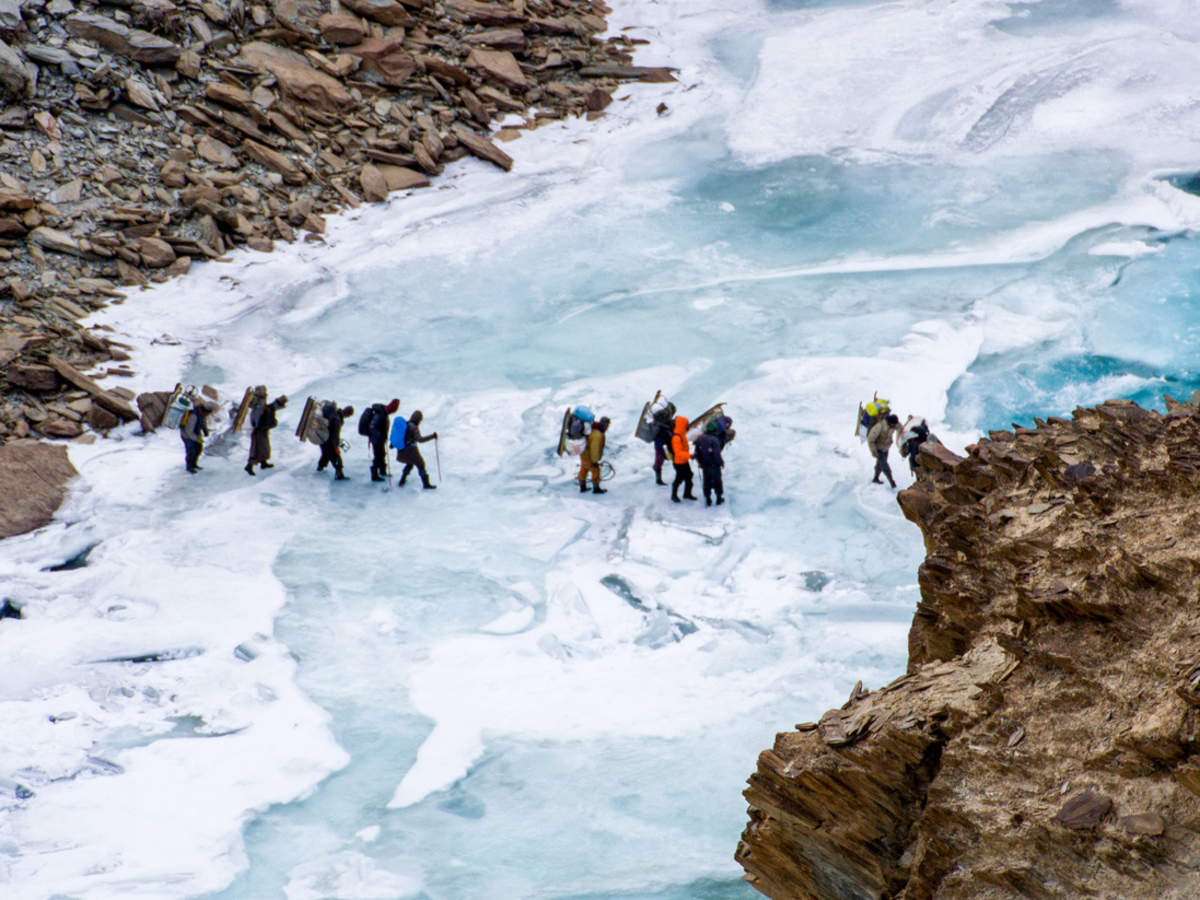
point(193, 429)
point(410, 454)
point(879, 440)
point(260, 434)
point(589, 460)
point(377, 433)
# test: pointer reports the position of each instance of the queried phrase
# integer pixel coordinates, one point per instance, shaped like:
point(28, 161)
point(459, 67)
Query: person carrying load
point(193, 427)
point(405, 437)
point(589, 459)
point(262, 419)
point(871, 413)
point(373, 425)
point(331, 447)
point(916, 432)
point(879, 440)
point(680, 456)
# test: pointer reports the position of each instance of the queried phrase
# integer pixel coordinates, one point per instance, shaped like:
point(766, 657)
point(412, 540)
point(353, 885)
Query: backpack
point(399, 432)
point(364, 421)
point(575, 428)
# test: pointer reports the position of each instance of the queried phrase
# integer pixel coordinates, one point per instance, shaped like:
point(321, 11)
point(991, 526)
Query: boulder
point(402, 178)
point(341, 28)
point(33, 478)
point(500, 65)
point(155, 252)
point(374, 185)
point(297, 79)
point(100, 419)
point(385, 58)
point(32, 377)
point(55, 240)
point(153, 407)
point(483, 148)
point(10, 14)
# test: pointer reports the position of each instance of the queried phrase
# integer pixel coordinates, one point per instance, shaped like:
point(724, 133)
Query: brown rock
point(474, 12)
point(491, 95)
point(385, 58)
point(110, 402)
point(66, 193)
point(340, 28)
point(374, 185)
point(1084, 810)
point(483, 148)
point(512, 39)
point(33, 478)
point(139, 94)
point(386, 12)
point(216, 152)
point(499, 64)
point(53, 239)
point(272, 159)
point(60, 427)
point(173, 174)
point(402, 178)
point(1144, 823)
point(134, 43)
point(181, 266)
point(155, 252)
point(32, 377)
point(230, 95)
point(297, 79)
point(153, 407)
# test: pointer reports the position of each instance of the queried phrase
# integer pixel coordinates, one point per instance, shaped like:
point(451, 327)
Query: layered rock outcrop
point(1045, 741)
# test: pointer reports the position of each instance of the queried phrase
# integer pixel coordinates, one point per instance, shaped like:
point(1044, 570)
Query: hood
point(681, 426)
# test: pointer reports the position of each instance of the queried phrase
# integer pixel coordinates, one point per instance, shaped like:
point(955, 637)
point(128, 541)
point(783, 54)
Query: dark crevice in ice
point(9, 611)
point(663, 624)
point(78, 561)
point(167, 655)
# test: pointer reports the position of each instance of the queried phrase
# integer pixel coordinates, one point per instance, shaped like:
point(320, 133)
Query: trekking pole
point(438, 456)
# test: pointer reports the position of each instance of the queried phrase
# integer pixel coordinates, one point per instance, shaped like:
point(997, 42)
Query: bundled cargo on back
point(576, 425)
point(656, 414)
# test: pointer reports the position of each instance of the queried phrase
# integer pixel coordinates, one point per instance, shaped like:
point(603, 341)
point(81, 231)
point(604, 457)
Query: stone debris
point(140, 138)
point(1045, 741)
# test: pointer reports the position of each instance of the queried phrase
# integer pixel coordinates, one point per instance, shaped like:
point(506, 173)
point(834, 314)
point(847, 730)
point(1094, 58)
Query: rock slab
point(33, 480)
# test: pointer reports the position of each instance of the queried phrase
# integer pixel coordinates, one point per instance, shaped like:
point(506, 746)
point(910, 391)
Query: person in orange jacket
point(680, 456)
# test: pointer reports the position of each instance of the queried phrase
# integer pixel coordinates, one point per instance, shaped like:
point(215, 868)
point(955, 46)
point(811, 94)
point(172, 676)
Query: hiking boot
point(688, 495)
point(583, 487)
point(266, 465)
point(708, 501)
point(596, 489)
point(376, 477)
point(340, 477)
point(675, 497)
point(658, 479)
point(720, 500)
point(876, 480)
point(249, 469)
point(427, 484)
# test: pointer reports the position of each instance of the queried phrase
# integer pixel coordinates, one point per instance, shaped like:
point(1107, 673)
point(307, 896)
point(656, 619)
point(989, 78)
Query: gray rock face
point(10, 14)
point(33, 478)
point(14, 77)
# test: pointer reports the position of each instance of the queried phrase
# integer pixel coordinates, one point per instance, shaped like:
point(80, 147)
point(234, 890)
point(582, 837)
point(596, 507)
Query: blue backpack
point(399, 432)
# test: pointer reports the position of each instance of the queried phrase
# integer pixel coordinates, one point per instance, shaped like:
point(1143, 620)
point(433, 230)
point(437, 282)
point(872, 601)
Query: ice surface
point(505, 688)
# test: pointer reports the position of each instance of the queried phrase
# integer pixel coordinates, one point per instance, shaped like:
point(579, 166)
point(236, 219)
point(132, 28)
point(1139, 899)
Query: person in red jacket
point(680, 456)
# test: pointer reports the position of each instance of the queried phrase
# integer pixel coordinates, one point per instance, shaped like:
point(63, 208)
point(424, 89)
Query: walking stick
point(438, 456)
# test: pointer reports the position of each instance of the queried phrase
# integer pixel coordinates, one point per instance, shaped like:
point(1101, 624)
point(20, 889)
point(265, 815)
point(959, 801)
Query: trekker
point(879, 439)
point(263, 419)
point(377, 433)
point(331, 449)
point(589, 459)
point(410, 453)
point(680, 456)
point(911, 440)
point(662, 445)
point(708, 455)
point(192, 429)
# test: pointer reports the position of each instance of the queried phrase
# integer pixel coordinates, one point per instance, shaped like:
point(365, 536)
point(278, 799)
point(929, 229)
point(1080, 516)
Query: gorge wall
point(1045, 740)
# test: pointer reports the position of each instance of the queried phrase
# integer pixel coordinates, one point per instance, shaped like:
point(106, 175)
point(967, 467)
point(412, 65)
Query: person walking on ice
point(680, 458)
point(589, 459)
point(708, 455)
point(263, 419)
point(405, 437)
point(879, 440)
point(331, 449)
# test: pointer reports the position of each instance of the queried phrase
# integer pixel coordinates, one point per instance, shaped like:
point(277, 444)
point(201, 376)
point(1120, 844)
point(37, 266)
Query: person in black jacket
point(260, 434)
point(331, 449)
point(410, 453)
point(662, 446)
point(377, 433)
point(193, 429)
point(708, 455)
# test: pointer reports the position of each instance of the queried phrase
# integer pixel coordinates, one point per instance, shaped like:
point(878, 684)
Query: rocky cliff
point(140, 136)
point(1045, 741)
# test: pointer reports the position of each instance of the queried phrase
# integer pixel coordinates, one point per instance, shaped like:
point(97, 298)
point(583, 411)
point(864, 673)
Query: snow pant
point(587, 467)
point(712, 482)
point(379, 458)
point(260, 447)
point(411, 457)
point(330, 453)
point(882, 467)
point(683, 475)
point(660, 457)
point(913, 446)
point(191, 453)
